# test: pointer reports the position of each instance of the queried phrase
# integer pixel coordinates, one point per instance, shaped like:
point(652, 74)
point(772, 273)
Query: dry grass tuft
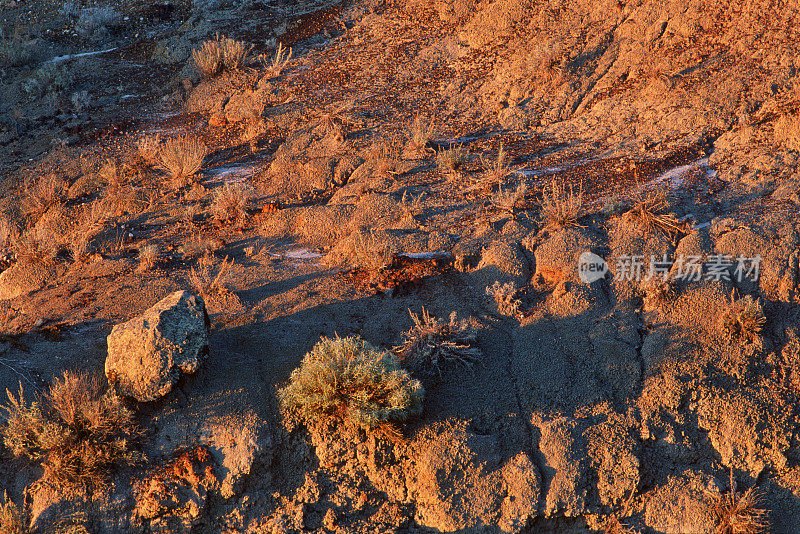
point(207, 283)
point(505, 296)
point(40, 195)
point(613, 525)
point(649, 210)
point(220, 53)
point(433, 342)
point(208, 58)
point(371, 252)
point(561, 206)
point(230, 204)
point(12, 519)
point(78, 430)
point(350, 380)
point(452, 159)
point(738, 513)
point(419, 134)
point(507, 200)
point(496, 173)
point(148, 147)
point(277, 64)
point(744, 319)
point(180, 158)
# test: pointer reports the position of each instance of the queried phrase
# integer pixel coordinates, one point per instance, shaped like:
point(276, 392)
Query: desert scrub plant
point(561, 206)
point(372, 252)
point(738, 513)
point(505, 297)
point(432, 342)
point(148, 147)
point(507, 200)
point(419, 134)
point(744, 319)
point(208, 58)
point(350, 380)
point(649, 210)
point(12, 519)
point(41, 194)
point(220, 53)
point(208, 284)
point(78, 430)
point(452, 159)
point(495, 173)
point(277, 64)
point(230, 204)
point(180, 158)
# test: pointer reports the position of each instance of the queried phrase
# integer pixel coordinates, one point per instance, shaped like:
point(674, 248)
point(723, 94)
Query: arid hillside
point(423, 266)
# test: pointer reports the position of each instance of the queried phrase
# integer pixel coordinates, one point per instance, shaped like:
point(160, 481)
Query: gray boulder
point(148, 354)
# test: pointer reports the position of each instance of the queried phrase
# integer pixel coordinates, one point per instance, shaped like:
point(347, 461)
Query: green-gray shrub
point(351, 380)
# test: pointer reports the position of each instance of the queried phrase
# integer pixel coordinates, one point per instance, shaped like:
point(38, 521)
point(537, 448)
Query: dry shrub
point(496, 173)
point(148, 147)
point(277, 64)
point(505, 296)
point(744, 319)
point(207, 283)
point(220, 53)
point(419, 134)
point(208, 58)
point(738, 513)
point(180, 158)
point(40, 195)
point(148, 257)
point(78, 429)
point(649, 211)
point(507, 200)
point(561, 205)
point(452, 159)
point(372, 252)
point(432, 342)
point(29, 250)
point(350, 380)
point(12, 519)
point(230, 203)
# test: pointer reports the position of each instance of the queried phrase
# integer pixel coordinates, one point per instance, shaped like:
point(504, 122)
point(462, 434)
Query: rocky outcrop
point(148, 354)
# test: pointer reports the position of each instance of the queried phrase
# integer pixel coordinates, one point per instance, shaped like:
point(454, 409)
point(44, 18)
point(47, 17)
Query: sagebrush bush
point(180, 158)
point(350, 380)
point(78, 429)
point(432, 343)
point(220, 53)
point(230, 203)
point(16, 49)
